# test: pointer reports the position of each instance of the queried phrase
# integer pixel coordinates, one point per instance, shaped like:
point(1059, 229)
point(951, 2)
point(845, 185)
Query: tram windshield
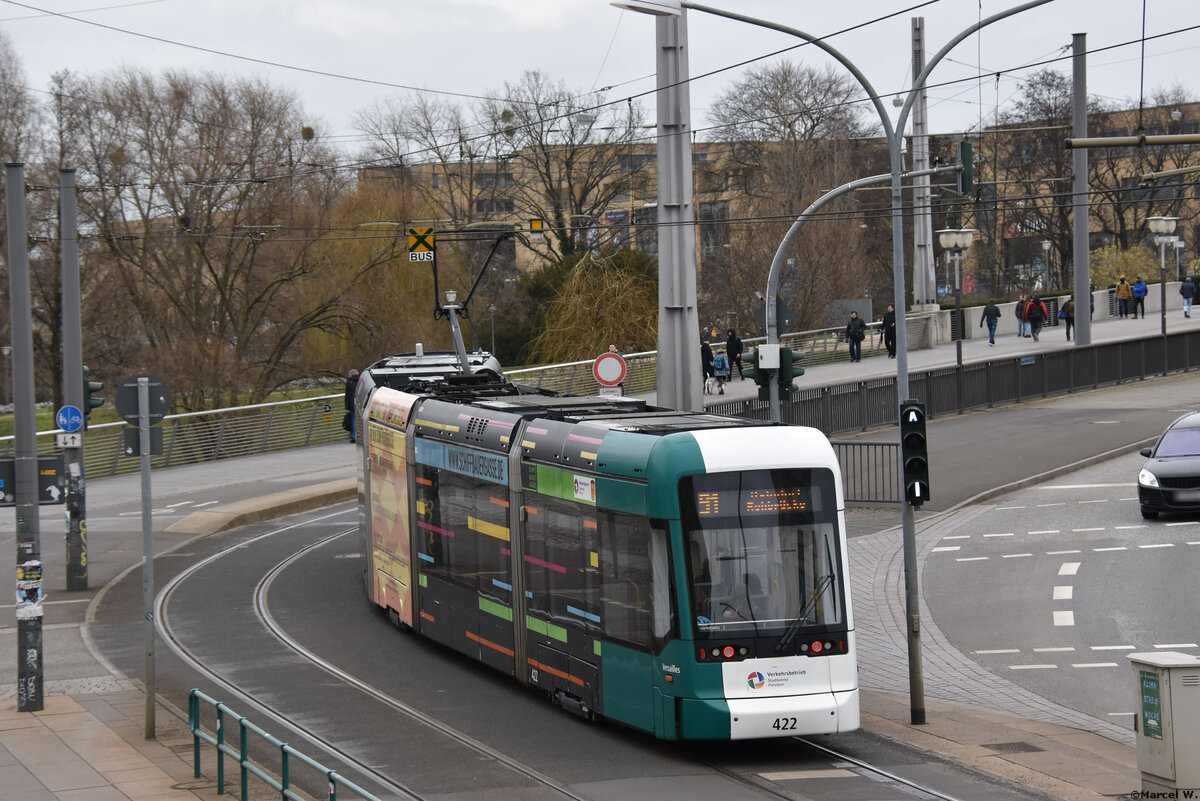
point(763, 554)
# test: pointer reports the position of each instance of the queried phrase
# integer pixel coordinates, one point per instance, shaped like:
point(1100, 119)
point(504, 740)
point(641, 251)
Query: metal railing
point(281, 781)
point(196, 437)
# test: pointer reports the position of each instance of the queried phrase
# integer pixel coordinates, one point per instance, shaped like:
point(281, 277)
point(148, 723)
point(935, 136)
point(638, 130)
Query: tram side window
point(560, 559)
point(635, 587)
point(465, 531)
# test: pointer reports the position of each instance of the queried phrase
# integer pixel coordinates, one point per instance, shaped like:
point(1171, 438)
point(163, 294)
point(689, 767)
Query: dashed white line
point(941, 548)
point(971, 559)
point(1009, 534)
point(1069, 569)
point(1166, 645)
point(1033, 667)
point(1053, 650)
point(1001, 651)
point(1113, 647)
point(1114, 548)
point(1047, 531)
point(1100, 500)
point(1063, 553)
point(1127, 528)
point(1064, 592)
point(1084, 530)
point(1064, 617)
point(1159, 545)
point(1006, 508)
point(957, 537)
point(1014, 555)
point(1185, 523)
point(1093, 664)
point(1060, 503)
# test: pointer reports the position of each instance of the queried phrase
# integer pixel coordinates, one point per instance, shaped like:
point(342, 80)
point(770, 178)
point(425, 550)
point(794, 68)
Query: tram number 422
point(784, 724)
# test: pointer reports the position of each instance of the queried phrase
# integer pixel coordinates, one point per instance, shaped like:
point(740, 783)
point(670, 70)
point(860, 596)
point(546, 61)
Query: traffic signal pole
point(77, 565)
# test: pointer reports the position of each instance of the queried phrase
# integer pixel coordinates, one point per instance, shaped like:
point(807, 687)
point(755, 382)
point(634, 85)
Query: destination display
point(768, 501)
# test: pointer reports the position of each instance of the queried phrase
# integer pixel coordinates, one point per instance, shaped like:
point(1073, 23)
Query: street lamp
point(1162, 228)
point(1046, 259)
point(955, 241)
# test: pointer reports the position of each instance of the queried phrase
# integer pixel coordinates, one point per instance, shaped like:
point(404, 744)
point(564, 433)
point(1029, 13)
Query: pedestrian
point(349, 420)
point(706, 364)
point(1139, 297)
point(721, 370)
point(1067, 312)
point(889, 330)
point(1188, 290)
point(1124, 295)
point(733, 350)
point(991, 315)
point(1035, 315)
point(856, 332)
point(1022, 326)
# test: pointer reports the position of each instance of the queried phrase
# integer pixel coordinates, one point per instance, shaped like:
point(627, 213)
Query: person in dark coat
point(1188, 291)
point(1035, 315)
point(733, 349)
point(889, 330)
point(991, 315)
point(349, 422)
point(1068, 309)
point(706, 360)
point(856, 332)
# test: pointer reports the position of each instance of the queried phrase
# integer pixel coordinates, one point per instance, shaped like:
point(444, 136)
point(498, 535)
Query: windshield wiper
point(793, 628)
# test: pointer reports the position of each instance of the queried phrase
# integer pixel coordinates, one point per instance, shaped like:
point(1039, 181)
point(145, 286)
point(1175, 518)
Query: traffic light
point(759, 375)
point(966, 177)
point(90, 401)
point(914, 452)
point(789, 369)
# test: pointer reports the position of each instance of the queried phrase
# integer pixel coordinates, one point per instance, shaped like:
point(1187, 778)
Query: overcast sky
point(474, 46)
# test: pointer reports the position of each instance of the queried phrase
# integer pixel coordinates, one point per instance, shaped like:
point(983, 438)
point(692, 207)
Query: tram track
point(262, 611)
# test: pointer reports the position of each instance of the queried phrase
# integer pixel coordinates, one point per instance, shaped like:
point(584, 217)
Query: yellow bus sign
point(420, 244)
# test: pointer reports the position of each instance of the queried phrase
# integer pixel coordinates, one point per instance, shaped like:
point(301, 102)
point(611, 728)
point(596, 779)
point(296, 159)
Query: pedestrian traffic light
point(789, 369)
point(914, 452)
point(758, 374)
point(89, 400)
point(966, 176)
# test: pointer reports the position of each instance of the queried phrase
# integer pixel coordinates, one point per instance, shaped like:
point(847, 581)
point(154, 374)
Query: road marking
point(1112, 647)
point(1064, 618)
point(1159, 545)
point(206, 503)
point(1009, 534)
point(1119, 714)
point(1178, 645)
point(1000, 651)
point(971, 559)
point(1082, 530)
point(1115, 548)
point(1083, 486)
point(1006, 508)
point(1128, 528)
point(941, 548)
point(1062, 553)
point(1194, 543)
point(1063, 592)
point(1032, 667)
point(1068, 569)
point(1093, 664)
point(1185, 523)
point(1015, 555)
point(957, 537)
point(817, 773)
point(1053, 650)
point(1098, 500)
point(1060, 503)
point(1134, 498)
point(1047, 531)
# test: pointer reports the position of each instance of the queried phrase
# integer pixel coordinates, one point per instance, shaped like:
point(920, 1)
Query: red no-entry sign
point(609, 369)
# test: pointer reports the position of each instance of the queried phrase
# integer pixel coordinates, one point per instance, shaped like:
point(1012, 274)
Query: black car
point(1170, 481)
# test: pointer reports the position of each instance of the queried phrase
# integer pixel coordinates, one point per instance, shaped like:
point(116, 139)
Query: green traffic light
point(90, 401)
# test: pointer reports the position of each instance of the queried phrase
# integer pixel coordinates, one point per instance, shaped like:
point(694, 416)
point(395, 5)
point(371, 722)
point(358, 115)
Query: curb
point(267, 507)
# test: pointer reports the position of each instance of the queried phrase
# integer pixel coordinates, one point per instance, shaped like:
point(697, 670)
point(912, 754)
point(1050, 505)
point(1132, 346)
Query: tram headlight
point(1147, 479)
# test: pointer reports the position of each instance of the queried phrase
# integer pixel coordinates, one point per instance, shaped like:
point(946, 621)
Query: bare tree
point(18, 112)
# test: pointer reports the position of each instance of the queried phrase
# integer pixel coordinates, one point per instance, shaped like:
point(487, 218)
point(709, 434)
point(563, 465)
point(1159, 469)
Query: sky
point(473, 47)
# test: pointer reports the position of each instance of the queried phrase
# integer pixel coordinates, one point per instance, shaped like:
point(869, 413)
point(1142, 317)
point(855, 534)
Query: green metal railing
point(282, 782)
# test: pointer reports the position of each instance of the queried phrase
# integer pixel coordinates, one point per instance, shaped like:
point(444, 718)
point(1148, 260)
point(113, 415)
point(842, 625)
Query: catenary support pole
point(30, 656)
point(143, 395)
point(1081, 263)
point(72, 339)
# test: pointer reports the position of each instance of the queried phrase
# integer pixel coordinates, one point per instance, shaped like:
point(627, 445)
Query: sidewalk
point(88, 743)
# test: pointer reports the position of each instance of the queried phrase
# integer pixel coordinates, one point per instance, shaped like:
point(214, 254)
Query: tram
point(680, 573)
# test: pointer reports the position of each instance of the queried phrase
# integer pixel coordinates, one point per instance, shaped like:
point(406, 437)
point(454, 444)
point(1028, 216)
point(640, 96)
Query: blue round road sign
point(69, 419)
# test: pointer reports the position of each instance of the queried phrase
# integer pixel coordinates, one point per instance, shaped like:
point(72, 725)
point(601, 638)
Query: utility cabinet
point(1167, 720)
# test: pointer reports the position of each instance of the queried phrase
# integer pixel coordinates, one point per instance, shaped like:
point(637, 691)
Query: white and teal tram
point(680, 573)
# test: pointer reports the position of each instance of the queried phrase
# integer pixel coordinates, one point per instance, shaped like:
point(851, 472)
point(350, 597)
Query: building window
point(714, 226)
point(494, 180)
point(489, 206)
point(645, 229)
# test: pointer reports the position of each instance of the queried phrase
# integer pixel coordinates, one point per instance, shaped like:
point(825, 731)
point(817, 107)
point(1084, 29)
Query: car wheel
point(1149, 514)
